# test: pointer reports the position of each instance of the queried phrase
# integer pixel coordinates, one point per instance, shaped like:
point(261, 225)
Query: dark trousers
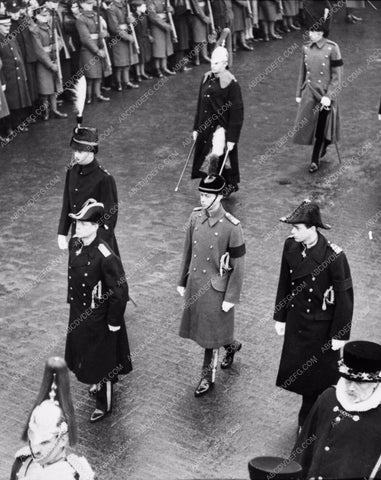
point(320, 141)
point(307, 403)
point(104, 397)
point(208, 356)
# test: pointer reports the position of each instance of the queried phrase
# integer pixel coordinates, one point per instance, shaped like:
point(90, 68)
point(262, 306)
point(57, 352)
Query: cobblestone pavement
point(158, 429)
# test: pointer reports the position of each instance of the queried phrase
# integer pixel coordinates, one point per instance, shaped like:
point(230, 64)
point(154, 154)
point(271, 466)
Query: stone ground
point(158, 429)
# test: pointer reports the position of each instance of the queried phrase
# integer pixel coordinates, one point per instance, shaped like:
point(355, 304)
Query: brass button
point(85, 274)
point(83, 285)
point(84, 304)
point(291, 270)
point(195, 255)
point(313, 279)
point(204, 271)
point(194, 269)
point(311, 290)
point(195, 241)
point(216, 234)
point(208, 259)
point(308, 310)
point(327, 449)
point(309, 300)
point(211, 246)
point(71, 298)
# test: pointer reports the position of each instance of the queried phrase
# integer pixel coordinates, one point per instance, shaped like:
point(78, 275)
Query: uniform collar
point(319, 43)
point(90, 167)
point(315, 256)
point(215, 217)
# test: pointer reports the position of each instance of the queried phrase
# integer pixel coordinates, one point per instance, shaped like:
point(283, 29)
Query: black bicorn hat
point(91, 211)
point(276, 468)
point(85, 139)
point(361, 361)
point(308, 213)
point(213, 182)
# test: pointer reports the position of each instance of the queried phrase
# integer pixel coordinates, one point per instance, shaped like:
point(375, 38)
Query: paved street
point(158, 429)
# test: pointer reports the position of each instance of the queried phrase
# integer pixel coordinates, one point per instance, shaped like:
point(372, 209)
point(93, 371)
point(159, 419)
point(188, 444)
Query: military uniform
point(72, 467)
point(311, 319)
point(162, 46)
point(219, 104)
point(90, 181)
point(207, 239)
point(97, 294)
point(320, 75)
point(88, 28)
point(200, 21)
point(42, 38)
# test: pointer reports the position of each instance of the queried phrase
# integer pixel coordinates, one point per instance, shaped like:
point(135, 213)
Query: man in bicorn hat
point(211, 278)
point(219, 118)
point(346, 420)
point(86, 178)
point(50, 429)
point(97, 348)
point(319, 83)
point(314, 306)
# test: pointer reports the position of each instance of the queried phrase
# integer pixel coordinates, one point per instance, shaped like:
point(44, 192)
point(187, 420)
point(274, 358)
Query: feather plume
point(79, 91)
point(211, 161)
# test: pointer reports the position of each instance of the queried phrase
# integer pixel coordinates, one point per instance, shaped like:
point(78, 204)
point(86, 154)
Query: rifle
point(132, 27)
point(212, 38)
point(170, 19)
point(55, 54)
point(106, 62)
point(250, 10)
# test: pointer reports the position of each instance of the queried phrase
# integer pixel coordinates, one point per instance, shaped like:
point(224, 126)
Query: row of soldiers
point(44, 47)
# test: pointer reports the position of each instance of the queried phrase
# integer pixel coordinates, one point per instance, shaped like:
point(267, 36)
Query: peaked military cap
point(85, 139)
point(361, 361)
point(276, 468)
point(91, 211)
point(307, 213)
point(5, 20)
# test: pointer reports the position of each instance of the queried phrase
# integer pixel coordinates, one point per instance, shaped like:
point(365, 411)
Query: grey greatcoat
point(207, 239)
point(46, 76)
point(4, 110)
point(320, 75)
point(308, 364)
point(87, 26)
point(123, 53)
point(199, 21)
point(162, 45)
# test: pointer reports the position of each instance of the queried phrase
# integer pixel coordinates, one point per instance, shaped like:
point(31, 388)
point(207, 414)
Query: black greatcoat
point(218, 106)
point(98, 294)
point(90, 181)
point(308, 364)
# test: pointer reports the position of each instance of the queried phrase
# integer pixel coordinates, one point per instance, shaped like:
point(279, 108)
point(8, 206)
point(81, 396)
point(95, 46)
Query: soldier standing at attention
point(97, 349)
point(314, 307)
point(317, 90)
point(211, 278)
point(85, 179)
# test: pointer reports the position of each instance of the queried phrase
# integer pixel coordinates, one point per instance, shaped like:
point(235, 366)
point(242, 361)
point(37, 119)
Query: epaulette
point(104, 250)
point(23, 452)
point(81, 466)
point(197, 209)
point(335, 248)
point(331, 42)
point(104, 170)
point(231, 218)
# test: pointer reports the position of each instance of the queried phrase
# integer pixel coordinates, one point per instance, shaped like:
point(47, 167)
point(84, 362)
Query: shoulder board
point(104, 250)
point(104, 170)
point(335, 248)
point(331, 42)
point(23, 452)
point(197, 209)
point(231, 218)
point(81, 466)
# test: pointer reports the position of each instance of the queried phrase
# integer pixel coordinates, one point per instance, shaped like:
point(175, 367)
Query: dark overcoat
point(97, 294)
point(87, 26)
point(24, 40)
point(291, 7)
point(143, 35)
point(320, 75)
point(4, 110)
point(199, 21)
point(43, 45)
point(345, 444)
point(162, 46)
point(308, 365)
point(14, 74)
point(182, 21)
point(82, 183)
point(222, 13)
point(219, 104)
point(207, 239)
point(123, 53)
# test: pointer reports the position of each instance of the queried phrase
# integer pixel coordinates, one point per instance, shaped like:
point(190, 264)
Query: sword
point(223, 163)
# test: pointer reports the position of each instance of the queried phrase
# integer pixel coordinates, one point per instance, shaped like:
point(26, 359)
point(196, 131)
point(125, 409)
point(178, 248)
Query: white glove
point(325, 101)
point(298, 99)
point(226, 306)
point(194, 135)
point(62, 242)
point(181, 290)
point(326, 13)
point(337, 344)
point(113, 329)
point(379, 117)
point(280, 328)
point(230, 146)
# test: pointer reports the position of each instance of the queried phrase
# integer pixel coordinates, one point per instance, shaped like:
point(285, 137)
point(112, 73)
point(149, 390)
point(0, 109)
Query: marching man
point(314, 306)
point(212, 272)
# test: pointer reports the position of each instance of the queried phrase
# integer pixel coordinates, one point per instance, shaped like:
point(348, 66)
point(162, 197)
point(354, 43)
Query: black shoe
point(130, 85)
point(203, 387)
point(118, 87)
point(101, 98)
point(314, 167)
point(229, 357)
point(98, 415)
point(58, 114)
